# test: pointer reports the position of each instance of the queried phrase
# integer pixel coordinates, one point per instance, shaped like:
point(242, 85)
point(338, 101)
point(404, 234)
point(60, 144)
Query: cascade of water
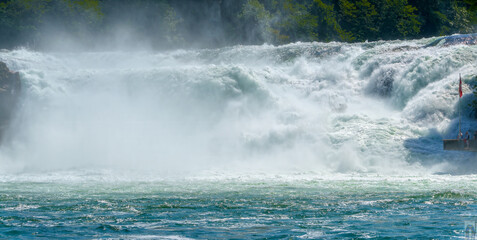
point(321, 107)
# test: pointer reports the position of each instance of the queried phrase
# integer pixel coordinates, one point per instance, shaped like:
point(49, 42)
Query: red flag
point(460, 87)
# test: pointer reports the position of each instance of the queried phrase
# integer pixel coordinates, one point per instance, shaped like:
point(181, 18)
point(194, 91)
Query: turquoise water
point(305, 140)
point(310, 207)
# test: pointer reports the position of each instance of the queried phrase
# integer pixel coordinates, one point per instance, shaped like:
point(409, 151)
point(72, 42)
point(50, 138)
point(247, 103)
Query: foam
point(320, 107)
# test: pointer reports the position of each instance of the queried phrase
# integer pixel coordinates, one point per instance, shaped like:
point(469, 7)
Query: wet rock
point(467, 39)
point(382, 84)
point(10, 87)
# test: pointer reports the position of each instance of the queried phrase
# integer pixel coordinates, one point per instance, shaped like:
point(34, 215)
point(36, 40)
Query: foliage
point(359, 17)
point(254, 14)
point(24, 22)
point(212, 23)
point(330, 29)
point(153, 18)
point(297, 22)
point(399, 20)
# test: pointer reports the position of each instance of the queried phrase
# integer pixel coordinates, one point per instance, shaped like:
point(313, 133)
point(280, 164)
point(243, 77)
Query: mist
point(110, 25)
point(136, 26)
point(297, 108)
point(196, 86)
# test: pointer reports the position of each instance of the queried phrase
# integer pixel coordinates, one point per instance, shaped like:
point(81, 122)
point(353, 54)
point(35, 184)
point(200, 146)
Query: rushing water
point(211, 208)
point(306, 140)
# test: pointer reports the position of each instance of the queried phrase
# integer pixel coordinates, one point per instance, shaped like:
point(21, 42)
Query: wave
point(380, 107)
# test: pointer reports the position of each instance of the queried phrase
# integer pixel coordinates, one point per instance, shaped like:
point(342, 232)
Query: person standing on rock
point(467, 139)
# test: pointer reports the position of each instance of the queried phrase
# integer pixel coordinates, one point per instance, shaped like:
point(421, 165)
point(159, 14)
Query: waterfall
point(322, 107)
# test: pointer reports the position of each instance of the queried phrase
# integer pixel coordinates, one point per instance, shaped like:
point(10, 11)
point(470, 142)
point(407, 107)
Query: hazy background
point(166, 24)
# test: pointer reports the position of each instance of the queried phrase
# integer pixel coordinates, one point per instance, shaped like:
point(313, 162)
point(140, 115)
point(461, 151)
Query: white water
point(298, 108)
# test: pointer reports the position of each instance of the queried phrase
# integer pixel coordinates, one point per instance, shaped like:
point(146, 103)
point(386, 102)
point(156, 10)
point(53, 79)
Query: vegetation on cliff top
point(214, 23)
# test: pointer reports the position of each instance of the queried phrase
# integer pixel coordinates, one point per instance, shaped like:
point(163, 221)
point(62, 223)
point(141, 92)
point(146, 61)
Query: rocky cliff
point(10, 87)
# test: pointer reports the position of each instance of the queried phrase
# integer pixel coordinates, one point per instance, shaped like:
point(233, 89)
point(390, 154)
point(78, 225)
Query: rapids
point(379, 107)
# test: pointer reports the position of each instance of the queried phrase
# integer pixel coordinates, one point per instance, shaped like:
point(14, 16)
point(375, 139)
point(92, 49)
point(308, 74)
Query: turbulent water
point(306, 140)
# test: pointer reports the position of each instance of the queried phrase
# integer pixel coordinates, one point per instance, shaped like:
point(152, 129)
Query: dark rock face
point(10, 87)
point(467, 39)
point(382, 83)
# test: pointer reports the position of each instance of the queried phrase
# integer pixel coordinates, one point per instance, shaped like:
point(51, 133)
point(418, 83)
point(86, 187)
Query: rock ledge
point(10, 87)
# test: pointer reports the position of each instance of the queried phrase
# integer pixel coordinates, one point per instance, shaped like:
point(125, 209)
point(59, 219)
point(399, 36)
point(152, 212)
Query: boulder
point(467, 39)
point(10, 87)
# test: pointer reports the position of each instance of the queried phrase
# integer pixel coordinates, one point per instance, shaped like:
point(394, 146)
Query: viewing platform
point(460, 145)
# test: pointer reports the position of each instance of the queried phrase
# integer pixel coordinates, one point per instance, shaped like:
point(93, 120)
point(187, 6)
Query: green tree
point(329, 28)
point(408, 24)
point(153, 23)
point(171, 25)
point(360, 18)
point(398, 19)
point(460, 19)
point(23, 22)
point(472, 8)
point(296, 22)
point(444, 17)
point(257, 22)
point(472, 4)
point(18, 23)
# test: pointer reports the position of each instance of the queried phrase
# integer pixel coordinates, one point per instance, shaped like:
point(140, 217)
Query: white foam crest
point(324, 108)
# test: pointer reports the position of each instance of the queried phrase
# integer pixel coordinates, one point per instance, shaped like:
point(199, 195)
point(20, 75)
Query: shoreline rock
point(467, 39)
point(10, 88)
